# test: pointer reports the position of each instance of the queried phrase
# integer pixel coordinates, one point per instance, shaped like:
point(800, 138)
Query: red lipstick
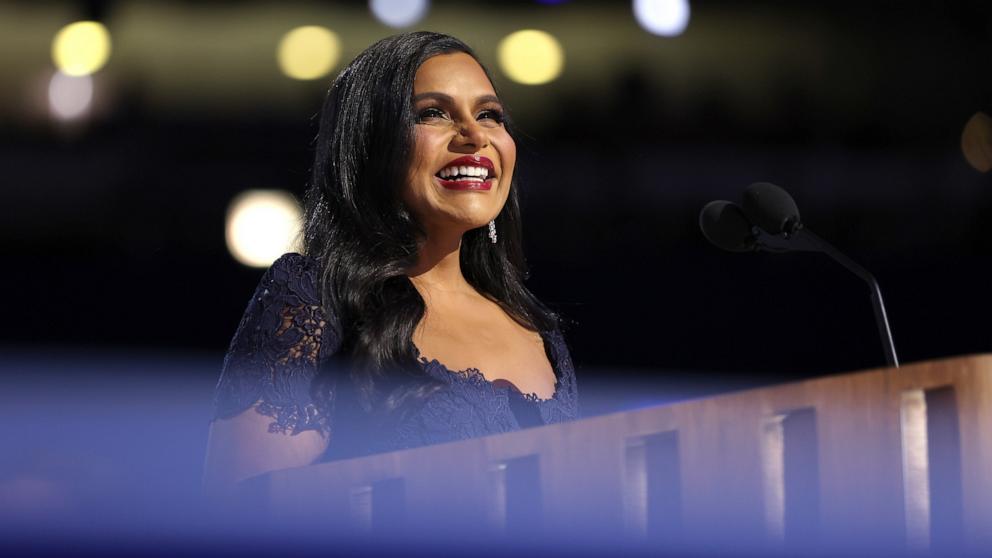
point(456, 179)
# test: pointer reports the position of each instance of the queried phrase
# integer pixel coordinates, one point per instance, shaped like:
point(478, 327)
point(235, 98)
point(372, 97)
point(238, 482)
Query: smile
point(471, 172)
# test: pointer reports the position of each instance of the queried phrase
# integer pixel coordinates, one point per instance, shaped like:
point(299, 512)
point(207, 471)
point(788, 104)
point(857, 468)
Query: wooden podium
point(896, 459)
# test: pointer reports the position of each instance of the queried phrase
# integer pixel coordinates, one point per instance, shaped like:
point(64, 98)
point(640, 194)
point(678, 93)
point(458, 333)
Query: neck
point(438, 268)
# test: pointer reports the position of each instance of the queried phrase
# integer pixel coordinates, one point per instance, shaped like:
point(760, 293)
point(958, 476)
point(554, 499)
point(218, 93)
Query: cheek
point(423, 161)
point(420, 158)
point(508, 154)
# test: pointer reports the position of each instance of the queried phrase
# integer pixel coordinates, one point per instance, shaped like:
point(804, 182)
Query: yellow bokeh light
point(531, 57)
point(81, 48)
point(308, 52)
point(262, 225)
point(976, 142)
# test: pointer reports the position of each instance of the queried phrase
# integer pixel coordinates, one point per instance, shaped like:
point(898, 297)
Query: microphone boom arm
point(803, 240)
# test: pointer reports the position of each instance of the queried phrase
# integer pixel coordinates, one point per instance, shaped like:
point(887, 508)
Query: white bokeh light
point(668, 18)
point(70, 97)
point(399, 13)
point(262, 225)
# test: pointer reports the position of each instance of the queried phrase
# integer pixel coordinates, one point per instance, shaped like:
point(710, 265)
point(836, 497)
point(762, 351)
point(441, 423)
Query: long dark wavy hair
point(366, 240)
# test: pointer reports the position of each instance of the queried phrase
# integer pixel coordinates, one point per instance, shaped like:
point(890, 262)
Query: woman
point(407, 322)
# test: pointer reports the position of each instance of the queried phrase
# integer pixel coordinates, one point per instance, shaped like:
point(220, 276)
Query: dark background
point(112, 236)
point(119, 296)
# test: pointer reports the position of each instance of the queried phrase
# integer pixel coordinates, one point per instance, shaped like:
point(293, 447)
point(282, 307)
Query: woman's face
point(463, 157)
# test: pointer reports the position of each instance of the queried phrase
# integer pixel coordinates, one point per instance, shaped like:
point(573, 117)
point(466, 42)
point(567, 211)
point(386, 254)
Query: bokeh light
point(531, 57)
point(668, 18)
point(81, 48)
point(976, 142)
point(70, 97)
point(399, 13)
point(262, 225)
point(308, 52)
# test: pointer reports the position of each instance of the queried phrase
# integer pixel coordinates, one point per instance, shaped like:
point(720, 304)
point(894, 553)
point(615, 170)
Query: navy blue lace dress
point(284, 338)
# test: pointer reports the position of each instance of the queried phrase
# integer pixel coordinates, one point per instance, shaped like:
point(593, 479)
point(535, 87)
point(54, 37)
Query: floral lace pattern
point(285, 336)
point(276, 350)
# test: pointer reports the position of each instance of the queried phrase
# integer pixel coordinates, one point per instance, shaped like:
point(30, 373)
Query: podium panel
point(893, 459)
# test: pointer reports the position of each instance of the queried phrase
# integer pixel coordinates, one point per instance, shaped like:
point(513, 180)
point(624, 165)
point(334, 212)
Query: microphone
point(724, 224)
point(771, 208)
point(769, 221)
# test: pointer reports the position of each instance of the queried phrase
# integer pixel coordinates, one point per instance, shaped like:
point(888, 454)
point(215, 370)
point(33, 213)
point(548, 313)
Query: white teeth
point(470, 172)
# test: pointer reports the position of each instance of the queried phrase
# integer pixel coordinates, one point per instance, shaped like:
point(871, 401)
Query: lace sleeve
point(277, 349)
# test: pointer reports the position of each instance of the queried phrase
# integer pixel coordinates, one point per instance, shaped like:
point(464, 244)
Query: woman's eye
point(430, 114)
point(492, 115)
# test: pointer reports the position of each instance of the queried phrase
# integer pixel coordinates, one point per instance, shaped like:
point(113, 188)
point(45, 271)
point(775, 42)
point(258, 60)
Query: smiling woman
point(460, 145)
point(406, 322)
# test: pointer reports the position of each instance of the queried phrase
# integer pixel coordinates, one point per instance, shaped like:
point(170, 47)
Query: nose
point(471, 134)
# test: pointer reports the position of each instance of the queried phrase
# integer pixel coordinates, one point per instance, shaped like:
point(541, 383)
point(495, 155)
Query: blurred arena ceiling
point(218, 57)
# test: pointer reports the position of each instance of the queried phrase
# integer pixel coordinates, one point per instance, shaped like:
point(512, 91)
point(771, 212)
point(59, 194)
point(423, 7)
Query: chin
point(477, 215)
point(474, 223)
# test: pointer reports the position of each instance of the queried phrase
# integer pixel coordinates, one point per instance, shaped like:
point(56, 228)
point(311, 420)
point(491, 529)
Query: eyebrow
point(448, 99)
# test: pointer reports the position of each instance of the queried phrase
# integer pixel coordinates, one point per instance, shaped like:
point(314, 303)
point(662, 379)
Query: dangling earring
point(492, 231)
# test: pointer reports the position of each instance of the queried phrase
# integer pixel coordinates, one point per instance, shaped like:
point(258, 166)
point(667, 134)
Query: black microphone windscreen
point(771, 208)
point(724, 224)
